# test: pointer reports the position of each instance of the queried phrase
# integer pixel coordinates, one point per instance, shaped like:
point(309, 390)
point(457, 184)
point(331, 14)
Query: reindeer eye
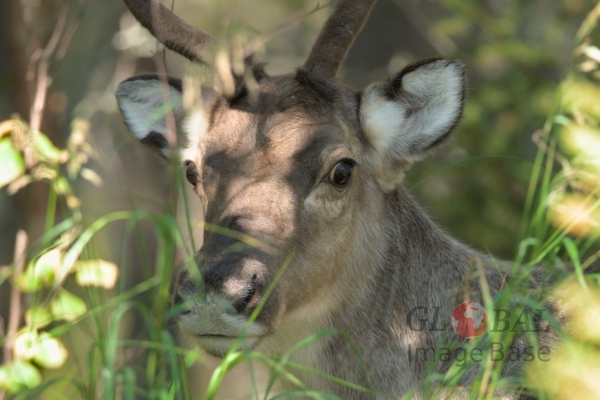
point(341, 173)
point(191, 173)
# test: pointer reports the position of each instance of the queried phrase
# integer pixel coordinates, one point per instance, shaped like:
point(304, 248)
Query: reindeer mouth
point(220, 345)
point(215, 335)
point(217, 331)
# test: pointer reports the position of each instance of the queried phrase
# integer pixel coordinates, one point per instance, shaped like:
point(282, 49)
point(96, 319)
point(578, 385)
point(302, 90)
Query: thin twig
point(285, 26)
point(30, 74)
point(588, 25)
point(161, 67)
point(58, 29)
point(69, 32)
point(425, 27)
point(538, 140)
point(228, 21)
point(39, 101)
point(164, 52)
point(14, 316)
point(27, 19)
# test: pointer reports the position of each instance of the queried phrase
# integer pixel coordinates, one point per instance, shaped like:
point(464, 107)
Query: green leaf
point(51, 353)
point(19, 375)
point(67, 306)
point(5, 381)
point(581, 140)
point(45, 149)
point(40, 272)
point(26, 344)
point(28, 283)
point(96, 273)
point(61, 185)
point(306, 394)
point(561, 120)
point(11, 162)
point(46, 265)
point(191, 357)
point(37, 317)
point(5, 273)
point(91, 176)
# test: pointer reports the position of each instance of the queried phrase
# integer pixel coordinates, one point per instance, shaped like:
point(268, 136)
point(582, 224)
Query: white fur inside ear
point(144, 103)
point(382, 119)
point(425, 109)
point(438, 91)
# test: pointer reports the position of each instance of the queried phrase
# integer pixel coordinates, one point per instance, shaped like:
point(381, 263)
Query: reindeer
point(312, 168)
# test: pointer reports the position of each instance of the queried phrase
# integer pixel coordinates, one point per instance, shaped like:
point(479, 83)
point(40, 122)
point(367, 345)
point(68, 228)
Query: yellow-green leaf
point(11, 162)
point(191, 357)
point(576, 213)
point(581, 96)
point(62, 185)
point(37, 317)
point(50, 353)
point(26, 344)
point(96, 273)
point(67, 306)
point(4, 273)
point(45, 149)
point(40, 272)
point(28, 283)
point(91, 176)
point(47, 264)
point(5, 381)
point(19, 375)
point(581, 140)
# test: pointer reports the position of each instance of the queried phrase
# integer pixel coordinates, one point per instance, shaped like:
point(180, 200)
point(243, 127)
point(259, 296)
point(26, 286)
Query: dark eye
point(191, 173)
point(341, 173)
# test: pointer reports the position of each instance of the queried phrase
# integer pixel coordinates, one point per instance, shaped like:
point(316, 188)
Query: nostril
point(251, 290)
point(177, 300)
point(243, 302)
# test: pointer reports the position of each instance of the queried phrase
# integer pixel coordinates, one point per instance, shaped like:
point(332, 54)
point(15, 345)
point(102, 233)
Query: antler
point(336, 37)
point(170, 30)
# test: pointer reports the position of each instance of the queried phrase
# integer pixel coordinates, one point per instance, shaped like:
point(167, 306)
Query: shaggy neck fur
point(422, 267)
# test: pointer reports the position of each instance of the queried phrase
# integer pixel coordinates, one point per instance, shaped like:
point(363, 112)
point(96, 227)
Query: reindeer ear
point(144, 101)
point(409, 115)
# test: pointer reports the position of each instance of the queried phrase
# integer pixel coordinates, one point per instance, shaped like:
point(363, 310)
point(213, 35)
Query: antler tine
point(170, 30)
point(336, 37)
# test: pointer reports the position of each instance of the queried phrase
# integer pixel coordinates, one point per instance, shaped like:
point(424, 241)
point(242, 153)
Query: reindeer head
point(306, 167)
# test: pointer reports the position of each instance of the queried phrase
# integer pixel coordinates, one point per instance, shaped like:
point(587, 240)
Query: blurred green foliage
point(517, 53)
point(40, 270)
